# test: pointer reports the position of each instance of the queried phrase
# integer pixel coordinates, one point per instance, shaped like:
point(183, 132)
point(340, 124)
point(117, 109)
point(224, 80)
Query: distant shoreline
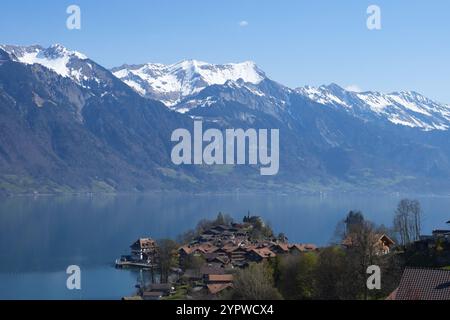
point(228, 193)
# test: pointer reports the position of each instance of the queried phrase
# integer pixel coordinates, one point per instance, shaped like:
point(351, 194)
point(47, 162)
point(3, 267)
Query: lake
point(41, 236)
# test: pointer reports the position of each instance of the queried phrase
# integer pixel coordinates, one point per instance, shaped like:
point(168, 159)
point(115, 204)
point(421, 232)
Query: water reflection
point(41, 236)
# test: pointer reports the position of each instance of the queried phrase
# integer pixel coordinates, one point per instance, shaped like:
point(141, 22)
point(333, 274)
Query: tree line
point(335, 272)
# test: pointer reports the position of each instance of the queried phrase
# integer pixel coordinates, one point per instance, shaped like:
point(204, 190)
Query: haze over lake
point(41, 236)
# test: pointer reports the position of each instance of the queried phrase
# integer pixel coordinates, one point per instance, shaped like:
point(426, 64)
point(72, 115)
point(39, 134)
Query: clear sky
point(296, 42)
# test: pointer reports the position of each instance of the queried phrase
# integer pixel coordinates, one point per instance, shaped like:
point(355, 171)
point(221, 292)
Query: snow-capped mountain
point(65, 62)
point(56, 58)
point(409, 109)
point(190, 84)
point(173, 83)
point(84, 128)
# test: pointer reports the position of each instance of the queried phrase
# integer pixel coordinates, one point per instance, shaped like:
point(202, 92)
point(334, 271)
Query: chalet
point(220, 278)
point(197, 250)
point(260, 254)
point(214, 258)
point(237, 256)
point(143, 249)
point(224, 252)
point(382, 243)
point(280, 248)
point(298, 248)
point(216, 288)
point(423, 284)
point(208, 270)
point(183, 253)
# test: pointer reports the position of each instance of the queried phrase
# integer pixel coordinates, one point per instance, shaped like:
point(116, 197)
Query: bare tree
point(407, 220)
point(167, 250)
point(363, 251)
point(416, 211)
point(255, 283)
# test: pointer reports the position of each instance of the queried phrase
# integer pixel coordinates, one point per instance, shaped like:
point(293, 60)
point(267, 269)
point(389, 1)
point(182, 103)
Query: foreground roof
point(220, 277)
point(218, 287)
point(424, 284)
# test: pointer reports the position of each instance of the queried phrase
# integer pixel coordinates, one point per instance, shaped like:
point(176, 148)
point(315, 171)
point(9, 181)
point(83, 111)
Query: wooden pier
point(134, 264)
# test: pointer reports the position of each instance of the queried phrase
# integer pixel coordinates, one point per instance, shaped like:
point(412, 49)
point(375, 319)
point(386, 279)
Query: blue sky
point(295, 42)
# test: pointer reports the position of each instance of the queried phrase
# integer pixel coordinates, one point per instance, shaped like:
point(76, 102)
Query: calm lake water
point(41, 236)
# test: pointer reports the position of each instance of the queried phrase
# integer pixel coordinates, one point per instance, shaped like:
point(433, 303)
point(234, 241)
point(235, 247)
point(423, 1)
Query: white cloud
point(353, 88)
point(243, 23)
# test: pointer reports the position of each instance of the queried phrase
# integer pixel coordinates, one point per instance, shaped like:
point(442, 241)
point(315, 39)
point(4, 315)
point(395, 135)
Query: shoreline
point(225, 193)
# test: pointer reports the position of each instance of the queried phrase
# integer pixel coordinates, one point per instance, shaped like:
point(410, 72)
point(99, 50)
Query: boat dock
point(133, 264)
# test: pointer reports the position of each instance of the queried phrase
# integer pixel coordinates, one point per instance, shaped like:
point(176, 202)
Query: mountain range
point(67, 124)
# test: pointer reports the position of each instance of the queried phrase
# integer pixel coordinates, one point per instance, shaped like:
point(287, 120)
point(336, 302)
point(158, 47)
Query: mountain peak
point(27, 54)
point(56, 57)
point(334, 86)
point(58, 50)
point(406, 108)
point(171, 83)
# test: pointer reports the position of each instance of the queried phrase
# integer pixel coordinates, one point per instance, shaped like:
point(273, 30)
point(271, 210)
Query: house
point(237, 255)
point(229, 246)
point(280, 248)
point(219, 260)
point(215, 288)
point(207, 270)
point(260, 254)
point(219, 278)
point(143, 249)
point(423, 284)
point(382, 243)
point(441, 234)
point(298, 248)
point(223, 253)
point(198, 250)
point(439, 237)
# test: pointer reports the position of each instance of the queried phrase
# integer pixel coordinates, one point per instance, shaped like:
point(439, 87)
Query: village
point(210, 258)
point(211, 261)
